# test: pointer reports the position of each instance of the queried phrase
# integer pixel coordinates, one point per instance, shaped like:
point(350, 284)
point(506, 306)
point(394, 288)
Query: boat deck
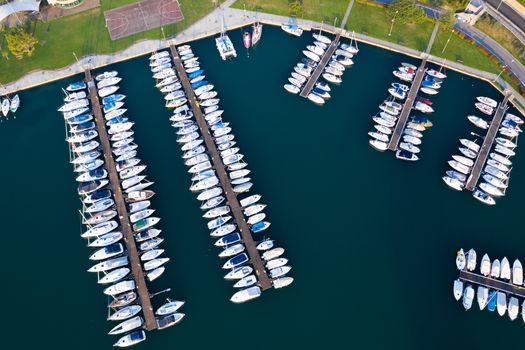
point(487, 144)
point(407, 107)
point(114, 184)
point(492, 283)
point(320, 67)
point(231, 197)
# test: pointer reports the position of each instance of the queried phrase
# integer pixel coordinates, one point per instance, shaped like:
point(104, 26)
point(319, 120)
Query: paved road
point(508, 12)
point(507, 23)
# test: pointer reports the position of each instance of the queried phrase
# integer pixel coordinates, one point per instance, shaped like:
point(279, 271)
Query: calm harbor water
point(371, 239)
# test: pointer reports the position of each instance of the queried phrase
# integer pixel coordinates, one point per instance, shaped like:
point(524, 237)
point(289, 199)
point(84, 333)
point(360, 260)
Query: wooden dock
point(492, 283)
point(231, 197)
point(114, 184)
point(487, 144)
point(407, 107)
point(320, 67)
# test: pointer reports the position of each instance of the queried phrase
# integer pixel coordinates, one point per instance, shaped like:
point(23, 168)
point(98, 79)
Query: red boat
point(246, 39)
point(424, 100)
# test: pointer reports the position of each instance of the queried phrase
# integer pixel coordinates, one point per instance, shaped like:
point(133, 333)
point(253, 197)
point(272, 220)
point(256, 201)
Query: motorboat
point(456, 175)
point(315, 49)
point(228, 239)
point(483, 297)
point(107, 252)
point(494, 181)
point(120, 287)
point(461, 260)
point(232, 250)
point(245, 202)
point(350, 48)
point(123, 299)
point(78, 128)
point(397, 93)
point(508, 132)
point(505, 269)
point(108, 82)
point(384, 130)
point(322, 38)
point(169, 308)
point(379, 145)
point(428, 91)
point(491, 305)
point(495, 172)
point(280, 271)
point(131, 339)
point(143, 224)
point(141, 215)
point(114, 276)
point(86, 147)
point(505, 142)
point(85, 188)
point(131, 171)
point(247, 281)
point(463, 160)
point(282, 282)
point(501, 303)
point(127, 163)
point(147, 234)
point(272, 253)
point(108, 90)
point(260, 226)
point(96, 196)
point(384, 122)
point(265, 245)
point(246, 294)
point(275, 263)
point(495, 269)
point(110, 264)
point(243, 187)
point(321, 92)
point(79, 85)
point(468, 297)
point(169, 320)
point(92, 175)
point(292, 29)
point(100, 217)
point(323, 86)
point(156, 273)
point(238, 273)
point(423, 107)
point(215, 212)
point(113, 98)
point(488, 101)
point(509, 116)
point(236, 261)
point(409, 147)
point(479, 122)
point(467, 152)
point(403, 76)
point(436, 74)
point(471, 260)
point(484, 108)
point(454, 183)
point(458, 289)
point(150, 244)
point(69, 106)
point(411, 139)
point(70, 97)
point(504, 150)
point(503, 160)
point(485, 265)
point(208, 194)
point(316, 98)
point(389, 109)
point(513, 308)
point(254, 219)
point(121, 136)
point(498, 165)
point(155, 263)
point(125, 313)
point(213, 202)
point(517, 273)
point(213, 224)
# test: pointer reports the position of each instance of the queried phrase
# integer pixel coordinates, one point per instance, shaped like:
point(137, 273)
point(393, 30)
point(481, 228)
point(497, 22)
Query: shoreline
point(236, 19)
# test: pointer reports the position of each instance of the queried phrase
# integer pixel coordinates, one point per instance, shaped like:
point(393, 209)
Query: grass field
point(84, 34)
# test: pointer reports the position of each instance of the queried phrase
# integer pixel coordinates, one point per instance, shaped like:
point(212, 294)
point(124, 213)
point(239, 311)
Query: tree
point(20, 42)
point(296, 6)
point(406, 11)
point(447, 20)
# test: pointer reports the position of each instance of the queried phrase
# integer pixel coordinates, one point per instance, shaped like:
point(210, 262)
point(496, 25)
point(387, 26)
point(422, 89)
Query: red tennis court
point(138, 17)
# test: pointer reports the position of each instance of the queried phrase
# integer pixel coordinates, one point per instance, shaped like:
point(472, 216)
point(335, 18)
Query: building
point(15, 6)
point(472, 12)
point(65, 4)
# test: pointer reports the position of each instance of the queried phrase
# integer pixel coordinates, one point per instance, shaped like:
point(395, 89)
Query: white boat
point(498, 165)
point(114, 276)
point(292, 88)
point(332, 78)
point(454, 183)
point(153, 264)
point(246, 294)
point(315, 49)
point(488, 101)
point(463, 160)
point(250, 200)
point(131, 339)
point(468, 297)
point(501, 303)
point(292, 29)
point(509, 116)
point(151, 254)
point(505, 142)
point(107, 252)
point(471, 260)
point(429, 91)
point(125, 313)
point(517, 273)
point(120, 287)
point(494, 181)
point(280, 271)
point(490, 189)
point(5, 106)
point(470, 144)
point(108, 82)
point(232, 250)
point(208, 194)
point(498, 157)
point(458, 289)
point(316, 98)
point(379, 136)
point(379, 145)
point(215, 212)
point(411, 139)
point(484, 108)
point(523, 310)
point(479, 122)
point(169, 320)
point(508, 132)
point(484, 266)
point(275, 263)
point(169, 307)
point(238, 273)
point(461, 260)
point(495, 269)
point(467, 152)
point(110, 264)
point(108, 90)
point(483, 297)
point(265, 245)
point(107, 239)
point(409, 147)
point(423, 107)
point(385, 130)
point(322, 38)
point(436, 74)
point(282, 282)
point(156, 273)
point(15, 103)
point(246, 282)
point(505, 269)
point(100, 229)
point(504, 150)
point(513, 308)
point(462, 168)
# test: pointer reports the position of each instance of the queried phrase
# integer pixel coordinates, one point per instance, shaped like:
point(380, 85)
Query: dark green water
point(371, 239)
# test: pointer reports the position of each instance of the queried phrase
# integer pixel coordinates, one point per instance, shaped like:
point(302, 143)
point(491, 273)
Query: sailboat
point(224, 44)
point(256, 31)
point(15, 102)
point(5, 106)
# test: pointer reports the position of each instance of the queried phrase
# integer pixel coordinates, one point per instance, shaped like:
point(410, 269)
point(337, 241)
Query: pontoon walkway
point(492, 283)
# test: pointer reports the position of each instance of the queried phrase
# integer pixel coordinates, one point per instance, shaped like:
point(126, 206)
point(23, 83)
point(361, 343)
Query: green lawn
point(375, 22)
point(317, 10)
point(85, 33)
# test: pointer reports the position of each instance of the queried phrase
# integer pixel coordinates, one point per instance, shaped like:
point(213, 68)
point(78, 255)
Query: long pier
point(407, 107)
point(320, 67)
point(487, 144)
point(492, 283)
point(114, 183)
point(231, 197)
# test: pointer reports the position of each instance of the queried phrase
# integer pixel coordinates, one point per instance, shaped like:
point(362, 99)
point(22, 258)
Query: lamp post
point(335, 21)
point(502, 69)
point(75, 55)
point(448, 40)
point(392, 24)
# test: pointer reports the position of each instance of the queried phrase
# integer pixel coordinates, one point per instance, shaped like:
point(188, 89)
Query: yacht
point(131, 339)
point(223, 230)
point(114, 276)
point(107, 252)
point(485, 265)
point(405, 155)
point(265, 245)
point(454, 183)
point(125, 313)
point(484, 108)
point(461, 260)
point(232, 238)
point(470, 144)
point(280, 271)
point(232, 250)
point(169, 320)
point(488, 101)
point(236, 261)
point(100, 229)
point(110, 264)
point(517, 273)
point(491, 190)
point(238, 273)
point(501, 303)
point(246, 294)
point(468, 297)
point(379, 145)
point(458, 289)
point(459, 167)
point(120, 287)
point(155, 263)
point(495, 269)
point(292, 29)
point(282, 282)
point(479, 122)
point(106, 239)
point(471, 260)
point(505, 269)
point(151, 254)
point(246, 282)
point(463, 160)
point(483, 297)
point(514, 308)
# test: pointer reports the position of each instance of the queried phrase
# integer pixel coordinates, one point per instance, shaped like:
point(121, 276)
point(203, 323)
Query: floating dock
point(320, 67)
point(231, 197)
point(487, 144)
point(114, 183)
point(407, 107)
point(492, 283)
